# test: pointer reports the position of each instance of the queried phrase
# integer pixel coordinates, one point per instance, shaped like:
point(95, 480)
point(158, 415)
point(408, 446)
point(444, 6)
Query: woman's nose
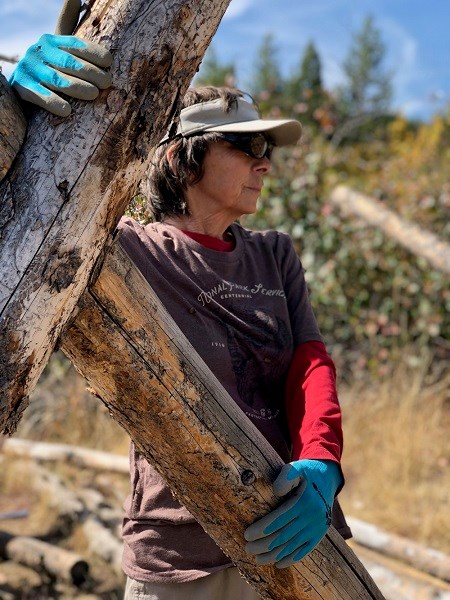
point(264, 165)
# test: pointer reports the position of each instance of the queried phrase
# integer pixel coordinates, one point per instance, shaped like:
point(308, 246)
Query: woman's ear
point(170, 154)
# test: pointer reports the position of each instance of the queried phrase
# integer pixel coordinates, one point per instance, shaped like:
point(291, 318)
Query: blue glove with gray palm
point(62, 63)
point(292, 530)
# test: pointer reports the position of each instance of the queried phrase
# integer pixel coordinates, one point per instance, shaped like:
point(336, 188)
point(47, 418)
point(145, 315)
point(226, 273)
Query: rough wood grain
point(12, 127)
point(214, 459)
point(74, 177)
point(414, 238)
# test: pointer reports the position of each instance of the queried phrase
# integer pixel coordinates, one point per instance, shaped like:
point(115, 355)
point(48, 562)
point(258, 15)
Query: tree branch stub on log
point(156, 386)
point(73, 178)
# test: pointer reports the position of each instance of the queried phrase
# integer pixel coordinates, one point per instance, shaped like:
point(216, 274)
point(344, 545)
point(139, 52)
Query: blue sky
point(415, 33)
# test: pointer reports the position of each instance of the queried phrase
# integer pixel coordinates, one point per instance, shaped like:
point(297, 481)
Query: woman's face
point(231, 183)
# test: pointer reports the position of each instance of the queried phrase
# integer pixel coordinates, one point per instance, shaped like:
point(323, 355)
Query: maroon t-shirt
point(245, 312)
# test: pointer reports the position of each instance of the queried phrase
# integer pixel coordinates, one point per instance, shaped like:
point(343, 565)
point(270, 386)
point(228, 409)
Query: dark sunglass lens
point(258, 146)
point(255, 145)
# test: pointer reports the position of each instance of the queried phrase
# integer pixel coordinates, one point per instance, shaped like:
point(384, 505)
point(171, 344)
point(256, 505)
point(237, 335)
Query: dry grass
point(397, 455)
point(62, 410)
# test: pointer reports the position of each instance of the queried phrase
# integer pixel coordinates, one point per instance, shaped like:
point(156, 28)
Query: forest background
point(384, 313)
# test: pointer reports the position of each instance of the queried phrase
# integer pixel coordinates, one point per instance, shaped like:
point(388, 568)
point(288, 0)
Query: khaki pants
point(223, 585)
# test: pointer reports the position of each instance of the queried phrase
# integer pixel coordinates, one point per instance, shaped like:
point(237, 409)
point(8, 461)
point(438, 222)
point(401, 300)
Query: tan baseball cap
point(243, 117)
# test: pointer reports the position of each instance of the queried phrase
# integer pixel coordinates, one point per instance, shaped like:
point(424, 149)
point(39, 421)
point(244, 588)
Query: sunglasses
point(255, 145)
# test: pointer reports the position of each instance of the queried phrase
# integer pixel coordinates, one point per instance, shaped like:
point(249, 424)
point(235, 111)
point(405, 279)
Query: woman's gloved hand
point(62, 63)
point(292, 530)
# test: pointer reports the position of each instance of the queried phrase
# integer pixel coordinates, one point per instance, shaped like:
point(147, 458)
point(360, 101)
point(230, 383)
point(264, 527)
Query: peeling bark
point(73, 178)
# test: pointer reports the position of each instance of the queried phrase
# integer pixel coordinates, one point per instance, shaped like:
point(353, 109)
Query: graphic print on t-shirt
point(257, 361)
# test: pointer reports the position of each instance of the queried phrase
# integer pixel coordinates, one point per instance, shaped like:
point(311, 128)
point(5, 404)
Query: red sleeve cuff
point(312, 405)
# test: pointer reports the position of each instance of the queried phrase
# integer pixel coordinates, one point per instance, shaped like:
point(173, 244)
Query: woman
point(241, 300)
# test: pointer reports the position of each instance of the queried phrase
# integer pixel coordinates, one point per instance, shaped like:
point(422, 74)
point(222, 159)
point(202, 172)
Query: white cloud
point(237, 7)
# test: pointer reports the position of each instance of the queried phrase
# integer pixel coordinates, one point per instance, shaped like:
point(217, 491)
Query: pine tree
point(310, 70)
point(364, 100)
point(267, 83)
point(213, 72)
point(368, 86)
point(305, 96)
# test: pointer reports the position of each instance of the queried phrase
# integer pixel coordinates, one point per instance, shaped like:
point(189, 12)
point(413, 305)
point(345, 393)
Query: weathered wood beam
point(12, 127)
point(412, 237)
point(73, 178)
point(182, 420)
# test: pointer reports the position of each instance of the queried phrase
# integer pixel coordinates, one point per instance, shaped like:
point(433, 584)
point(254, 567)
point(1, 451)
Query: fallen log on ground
point(103, 543)
point(414, 238)
point(72, 455)
point(67, 508)
point(424, 559)
point(215, 461)
point(398, 581)
point(57, 562)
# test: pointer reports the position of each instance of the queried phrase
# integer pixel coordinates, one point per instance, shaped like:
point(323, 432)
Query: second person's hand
point(62, 64)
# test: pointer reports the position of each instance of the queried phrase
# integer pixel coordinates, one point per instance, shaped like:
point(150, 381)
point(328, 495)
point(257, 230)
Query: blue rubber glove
point(64, 64)
point(289, 532)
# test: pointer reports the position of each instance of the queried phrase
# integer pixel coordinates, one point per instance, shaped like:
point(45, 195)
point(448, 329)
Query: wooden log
point(182, 420)
point(12, 127)
point(400, 582)
point(55, 561)
point(74, 177)
point(73, 455)
point(64, 502)
point(103, 543)
point(18, 581)
point(412, 237)
point(418, 556)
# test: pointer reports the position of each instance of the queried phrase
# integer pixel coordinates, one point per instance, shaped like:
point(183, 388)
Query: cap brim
point(283, 132)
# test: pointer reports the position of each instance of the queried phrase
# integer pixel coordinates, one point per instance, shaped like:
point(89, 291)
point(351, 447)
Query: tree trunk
point(74, 177)
point(412, 237)
point(12, 127)
point(213, 458)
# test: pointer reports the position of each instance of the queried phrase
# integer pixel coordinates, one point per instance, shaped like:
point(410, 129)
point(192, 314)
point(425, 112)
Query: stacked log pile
point(74, 551)
point(47, 565)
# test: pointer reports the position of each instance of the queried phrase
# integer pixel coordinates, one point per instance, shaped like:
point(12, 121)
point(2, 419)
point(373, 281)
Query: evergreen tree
point(267, 83)
point(368, 87)
point(213, 72)
point(310, 70)
point(366, 93)
point(304, 94)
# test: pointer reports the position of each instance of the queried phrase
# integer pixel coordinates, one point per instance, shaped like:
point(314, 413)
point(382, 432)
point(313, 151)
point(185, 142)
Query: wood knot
point(248, 477)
